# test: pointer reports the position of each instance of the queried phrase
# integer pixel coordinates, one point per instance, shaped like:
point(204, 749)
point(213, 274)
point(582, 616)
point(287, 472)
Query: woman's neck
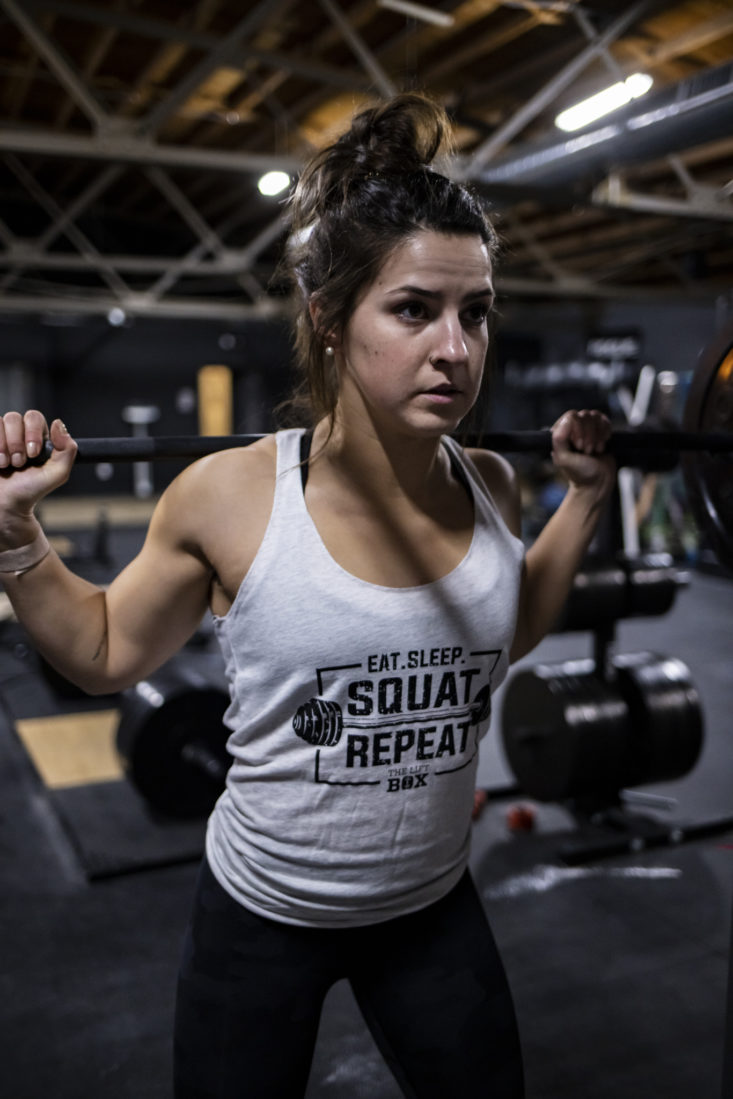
point(381, 464)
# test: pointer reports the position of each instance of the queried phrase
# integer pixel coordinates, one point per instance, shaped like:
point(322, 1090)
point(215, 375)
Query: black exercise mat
point(114, 832)
point(112, 829)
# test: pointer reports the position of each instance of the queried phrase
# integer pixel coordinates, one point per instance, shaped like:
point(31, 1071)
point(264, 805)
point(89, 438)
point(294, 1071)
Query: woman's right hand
point(22, 437)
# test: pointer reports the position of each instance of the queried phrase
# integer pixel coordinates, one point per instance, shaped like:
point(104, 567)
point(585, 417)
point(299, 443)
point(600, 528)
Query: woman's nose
point(451, 344)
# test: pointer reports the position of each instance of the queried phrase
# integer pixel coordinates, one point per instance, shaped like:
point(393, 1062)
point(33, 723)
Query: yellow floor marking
point(73, 749)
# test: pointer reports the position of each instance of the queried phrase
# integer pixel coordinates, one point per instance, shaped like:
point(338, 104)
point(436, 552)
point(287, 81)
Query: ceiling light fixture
point(272, 183)
point(610, 99)
point(419, 11)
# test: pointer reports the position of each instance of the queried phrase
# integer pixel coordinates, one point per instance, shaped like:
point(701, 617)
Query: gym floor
point(619, 962)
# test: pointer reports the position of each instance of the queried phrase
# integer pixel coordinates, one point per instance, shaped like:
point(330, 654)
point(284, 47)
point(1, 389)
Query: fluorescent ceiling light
point(272, 183)
point(419, 11)
point(610, 99)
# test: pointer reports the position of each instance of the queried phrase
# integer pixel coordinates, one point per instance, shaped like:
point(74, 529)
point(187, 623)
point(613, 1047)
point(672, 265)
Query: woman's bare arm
point(554, 558)
point(107, 639)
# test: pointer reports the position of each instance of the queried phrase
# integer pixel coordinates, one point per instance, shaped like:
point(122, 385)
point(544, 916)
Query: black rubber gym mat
point(112, 829)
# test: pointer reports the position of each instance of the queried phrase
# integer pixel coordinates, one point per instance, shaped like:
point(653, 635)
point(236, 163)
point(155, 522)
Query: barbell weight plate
point(709, 477)
point(319, 721)
point(568, 734)
point(598, 595)
point(607, 590)
point(653, 581)
point(172, 741)
point(666, 717)
point(565, 732)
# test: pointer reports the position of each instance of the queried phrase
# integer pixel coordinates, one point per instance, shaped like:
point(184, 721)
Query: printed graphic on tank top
point(413, 723)
point(356, 716)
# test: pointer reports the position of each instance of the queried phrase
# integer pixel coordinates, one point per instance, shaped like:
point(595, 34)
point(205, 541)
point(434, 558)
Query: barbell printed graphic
point(320, 721)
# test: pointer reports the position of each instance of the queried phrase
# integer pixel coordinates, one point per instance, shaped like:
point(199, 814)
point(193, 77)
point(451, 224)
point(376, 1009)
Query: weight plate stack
point(565, 731)
point(568, 734)
point(666, 717)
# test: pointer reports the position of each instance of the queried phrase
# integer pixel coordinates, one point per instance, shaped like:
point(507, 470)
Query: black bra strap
point(305, 449)
point(460, 473)
point(306, 441)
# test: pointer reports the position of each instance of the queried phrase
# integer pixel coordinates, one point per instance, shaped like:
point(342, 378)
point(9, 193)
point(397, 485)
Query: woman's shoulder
point(501, 481)
point(213, 488)
point(244, 468)
point(217, 511)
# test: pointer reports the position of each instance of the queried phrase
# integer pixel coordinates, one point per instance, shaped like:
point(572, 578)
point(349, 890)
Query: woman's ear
point(315, 312)
point(330, 339)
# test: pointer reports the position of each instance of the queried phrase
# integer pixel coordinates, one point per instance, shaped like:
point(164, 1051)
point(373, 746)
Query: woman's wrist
point(592, 498)
point(23, 544)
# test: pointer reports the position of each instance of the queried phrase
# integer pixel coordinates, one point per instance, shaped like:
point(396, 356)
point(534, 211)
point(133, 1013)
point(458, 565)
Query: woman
point(369, 589)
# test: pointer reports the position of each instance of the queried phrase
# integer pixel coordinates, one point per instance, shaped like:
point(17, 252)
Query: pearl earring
point(329, 351)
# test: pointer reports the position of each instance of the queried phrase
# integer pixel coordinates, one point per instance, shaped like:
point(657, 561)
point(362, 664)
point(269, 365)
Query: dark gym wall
point(87, 372)
point(673, 335)
point(671, 338)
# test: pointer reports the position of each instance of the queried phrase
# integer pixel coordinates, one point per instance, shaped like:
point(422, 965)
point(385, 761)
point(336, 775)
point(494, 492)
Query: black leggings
point(431, 987)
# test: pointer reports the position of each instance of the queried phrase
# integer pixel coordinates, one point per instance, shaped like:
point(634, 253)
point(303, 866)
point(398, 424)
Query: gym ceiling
point(133, 134)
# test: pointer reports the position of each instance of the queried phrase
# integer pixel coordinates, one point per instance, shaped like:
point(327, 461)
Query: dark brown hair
point(354, 203)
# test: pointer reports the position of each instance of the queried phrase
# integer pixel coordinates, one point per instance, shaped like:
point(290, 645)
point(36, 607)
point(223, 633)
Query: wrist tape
point(23, 558)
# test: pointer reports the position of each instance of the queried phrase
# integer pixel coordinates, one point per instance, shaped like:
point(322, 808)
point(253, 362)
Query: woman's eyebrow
point(483, 292)
point(486, 292)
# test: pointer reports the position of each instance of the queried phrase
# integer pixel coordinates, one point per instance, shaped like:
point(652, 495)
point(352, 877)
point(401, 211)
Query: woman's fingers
point(586, 431)
point(21, 437)
point(579, 440)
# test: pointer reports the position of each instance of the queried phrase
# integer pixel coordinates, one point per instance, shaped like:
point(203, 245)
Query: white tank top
point(356, 714)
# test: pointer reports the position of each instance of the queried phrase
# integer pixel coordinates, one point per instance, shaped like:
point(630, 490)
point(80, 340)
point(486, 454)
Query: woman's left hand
point(578, 449)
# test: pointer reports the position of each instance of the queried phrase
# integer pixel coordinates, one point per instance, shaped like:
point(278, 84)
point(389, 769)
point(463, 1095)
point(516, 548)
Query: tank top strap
point(293, 447)
point(306, 440)
point(466, 471)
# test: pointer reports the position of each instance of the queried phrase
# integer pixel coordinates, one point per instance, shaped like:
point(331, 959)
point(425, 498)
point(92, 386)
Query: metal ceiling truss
point(143, 284)
point(120, 141)
point(701, 200)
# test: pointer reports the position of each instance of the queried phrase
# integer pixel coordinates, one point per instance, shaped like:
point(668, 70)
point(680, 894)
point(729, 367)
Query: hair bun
point(400, 137)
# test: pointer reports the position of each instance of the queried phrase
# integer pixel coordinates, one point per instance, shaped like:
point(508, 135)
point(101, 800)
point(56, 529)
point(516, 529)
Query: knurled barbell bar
point(650, 448)
point(320, 721)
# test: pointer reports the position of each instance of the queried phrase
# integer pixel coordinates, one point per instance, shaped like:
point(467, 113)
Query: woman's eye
point(411, 310)
point(477, 314)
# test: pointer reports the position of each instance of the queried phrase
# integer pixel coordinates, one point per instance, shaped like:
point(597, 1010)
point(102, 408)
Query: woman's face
point(413, 351)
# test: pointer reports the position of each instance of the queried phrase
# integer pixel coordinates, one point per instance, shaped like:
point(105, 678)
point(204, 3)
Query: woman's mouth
point(442, 393)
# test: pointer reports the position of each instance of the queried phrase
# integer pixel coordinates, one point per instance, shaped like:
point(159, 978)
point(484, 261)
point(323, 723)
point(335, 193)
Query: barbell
point(651, 448)
point(704, 441)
